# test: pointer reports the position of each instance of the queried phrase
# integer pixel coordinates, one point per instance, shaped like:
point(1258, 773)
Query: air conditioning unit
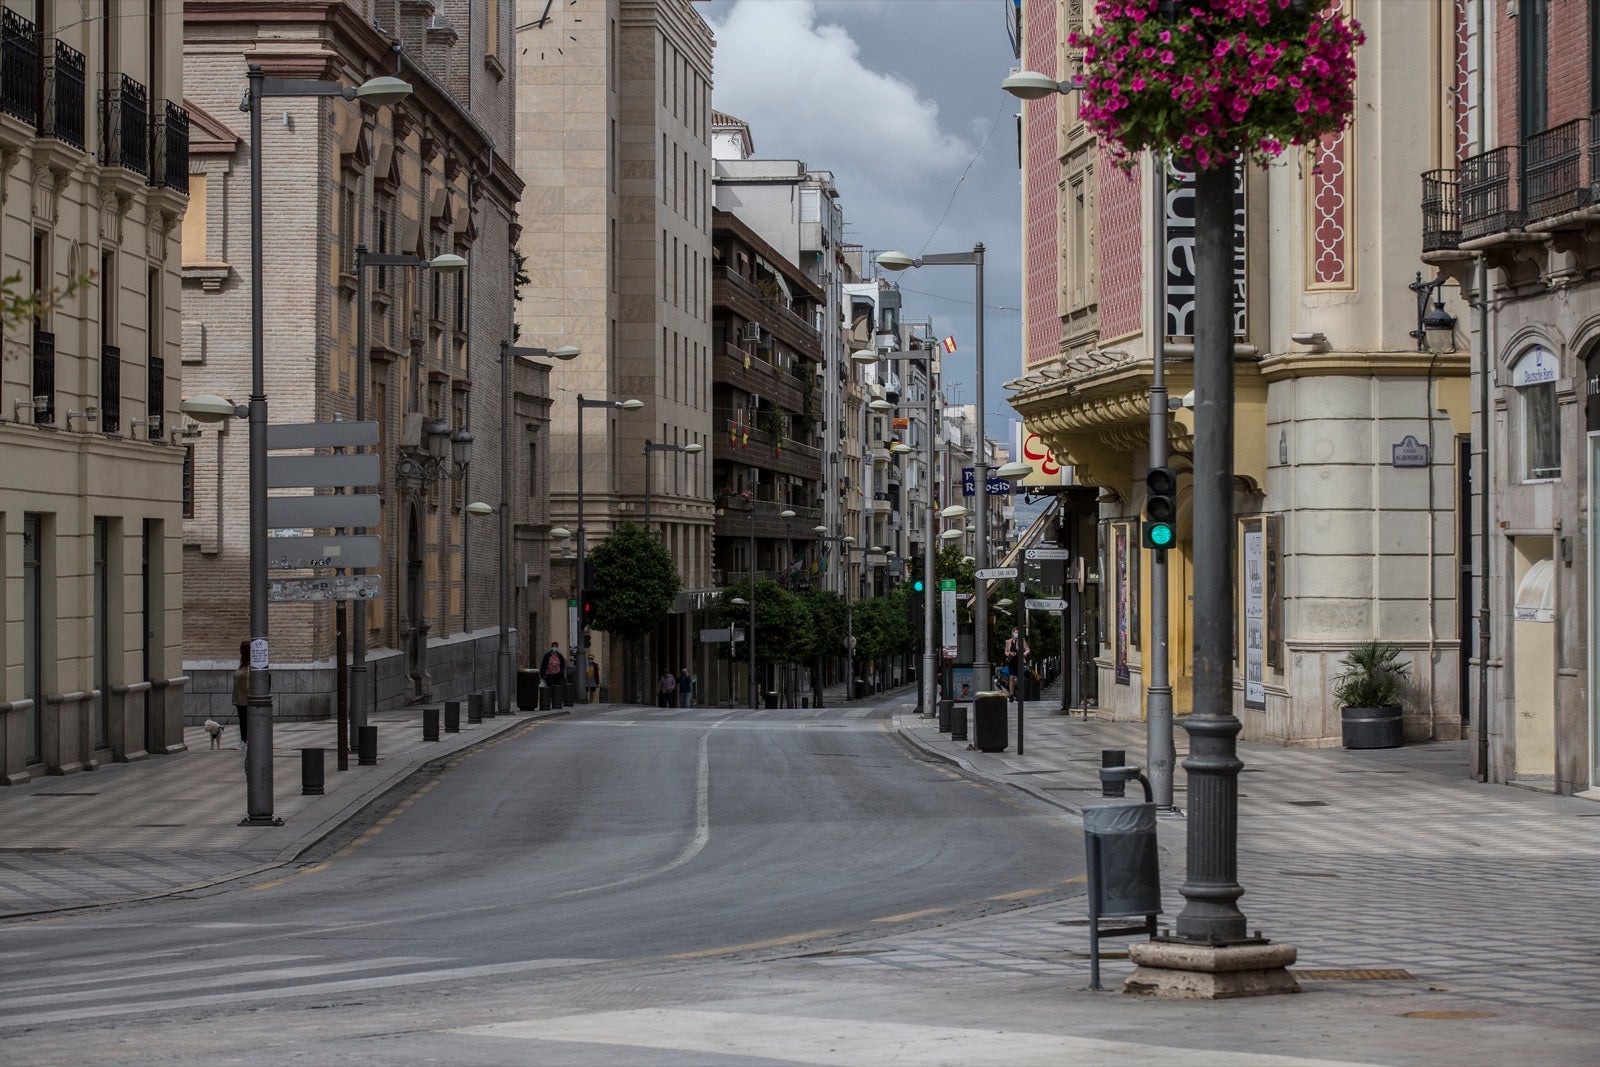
point(752, 331)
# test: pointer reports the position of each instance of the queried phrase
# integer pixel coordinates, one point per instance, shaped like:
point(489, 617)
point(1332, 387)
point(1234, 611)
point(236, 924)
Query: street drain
point(1369, 974)
point(1448, 1015)
point(66, 794)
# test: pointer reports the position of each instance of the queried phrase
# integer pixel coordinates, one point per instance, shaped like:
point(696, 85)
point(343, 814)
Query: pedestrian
point(553, 668)
point(1016, 651)
point(667, 689)
point(593, 682)
point(241, 694)
point(685, 689)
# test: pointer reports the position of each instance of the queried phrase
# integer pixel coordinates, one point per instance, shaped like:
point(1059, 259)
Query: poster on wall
point(1124, 602)
point(1274, 583)
point(1255, 600)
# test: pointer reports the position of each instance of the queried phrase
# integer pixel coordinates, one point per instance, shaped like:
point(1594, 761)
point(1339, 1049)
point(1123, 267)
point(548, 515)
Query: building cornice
point(1290, 365)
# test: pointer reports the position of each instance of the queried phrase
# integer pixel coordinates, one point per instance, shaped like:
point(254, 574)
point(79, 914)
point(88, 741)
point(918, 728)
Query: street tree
point(635, 585)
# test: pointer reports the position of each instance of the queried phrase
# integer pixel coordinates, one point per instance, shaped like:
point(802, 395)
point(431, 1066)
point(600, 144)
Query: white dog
point(214, 728)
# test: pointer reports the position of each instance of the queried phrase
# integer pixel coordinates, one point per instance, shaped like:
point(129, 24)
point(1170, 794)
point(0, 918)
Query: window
point(533, 470)
point(1533, 60)
point(194, 222)
point(1533, 377)
point(349, 228)
point(188, 481)
point(33, 630)
point(102, 631)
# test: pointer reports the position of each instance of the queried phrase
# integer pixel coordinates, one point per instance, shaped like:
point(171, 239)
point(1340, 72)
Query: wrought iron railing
point(44, 376)
point(19, 67)
point(155, 395)
point(1552, 163)
point(1491, 192)
point(1441, 211)
point(169, 137)
point(1594, 156)
point(125, 126)
point(65, 114)
point(110, 388)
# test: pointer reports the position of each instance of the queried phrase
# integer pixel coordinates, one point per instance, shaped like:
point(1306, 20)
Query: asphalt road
point(566, 852)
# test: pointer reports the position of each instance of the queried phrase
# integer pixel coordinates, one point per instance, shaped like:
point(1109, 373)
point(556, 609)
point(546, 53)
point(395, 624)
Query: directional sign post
point(1045, 604)
point(332, 587)
point(947, 612)
point(996, 572)
point(1035, 555)
point(301, 553)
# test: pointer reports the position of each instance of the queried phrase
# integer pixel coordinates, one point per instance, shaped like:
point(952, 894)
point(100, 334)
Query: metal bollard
point(474, 708)
point(490, 699)
point(544, 698)
point(367, 746)
point(1112, 757)
point(311, 772)
point(452, 716)
point(945, 709)
point(558, 694)
point(958, 722)
point(430, 724)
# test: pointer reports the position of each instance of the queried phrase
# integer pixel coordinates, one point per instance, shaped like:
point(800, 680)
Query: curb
point(924, 746)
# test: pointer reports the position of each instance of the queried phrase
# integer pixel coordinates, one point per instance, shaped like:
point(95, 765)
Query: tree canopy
point(635, 583)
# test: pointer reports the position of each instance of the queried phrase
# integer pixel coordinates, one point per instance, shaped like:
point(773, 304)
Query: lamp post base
point(1182, 970)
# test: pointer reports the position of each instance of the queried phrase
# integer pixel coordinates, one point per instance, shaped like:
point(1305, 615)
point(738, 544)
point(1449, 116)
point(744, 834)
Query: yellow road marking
point(908, 916)
point(1023, 894)
point(774, 942)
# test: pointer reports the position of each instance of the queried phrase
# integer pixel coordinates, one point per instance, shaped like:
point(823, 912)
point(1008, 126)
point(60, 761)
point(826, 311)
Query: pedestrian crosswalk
point(39, 987)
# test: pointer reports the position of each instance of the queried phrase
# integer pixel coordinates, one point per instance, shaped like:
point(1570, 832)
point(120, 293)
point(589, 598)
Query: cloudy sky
point(900, 99)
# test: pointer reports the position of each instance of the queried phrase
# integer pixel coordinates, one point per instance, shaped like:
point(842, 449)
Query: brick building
point(93, 179)
point(428, 176)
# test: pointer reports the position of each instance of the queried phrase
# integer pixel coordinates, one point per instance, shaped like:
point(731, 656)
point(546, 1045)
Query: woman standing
point(241, 693)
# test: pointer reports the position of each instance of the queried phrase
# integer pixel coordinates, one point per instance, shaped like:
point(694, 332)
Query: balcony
point(733, 290)
point(750, 373)
point(739, 516)
point(734, 442)
point(155, 396)
point(19, 67)
point(65, 113)
point(1553, 170)
point(125, 126)
point(44, 377)
point(110, 389)
point(1491, 193)
point(1441, 212)
point(169, 135)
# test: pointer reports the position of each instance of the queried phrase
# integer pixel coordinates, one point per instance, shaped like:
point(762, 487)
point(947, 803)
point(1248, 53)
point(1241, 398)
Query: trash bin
point(990, 726)
point(772, 699)
point(958, 722)
point(1124, 874)
point(527, 689)
point(944, 715)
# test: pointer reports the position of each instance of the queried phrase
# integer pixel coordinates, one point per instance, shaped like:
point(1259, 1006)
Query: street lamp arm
point(305, 87)
point(958, 259)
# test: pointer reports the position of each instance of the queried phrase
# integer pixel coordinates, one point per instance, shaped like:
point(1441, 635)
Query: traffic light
point(917, 585)
point(1160, 508)
point(586, 595)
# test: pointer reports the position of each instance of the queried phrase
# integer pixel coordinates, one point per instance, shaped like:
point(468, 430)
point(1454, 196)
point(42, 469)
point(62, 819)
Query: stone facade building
point(427, 176)
point(1509, 201)
point(1349, 439)
point(614, 143)
point(94, 169)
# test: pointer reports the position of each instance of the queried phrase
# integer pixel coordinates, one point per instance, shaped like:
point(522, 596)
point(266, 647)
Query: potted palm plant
point(1368, 692)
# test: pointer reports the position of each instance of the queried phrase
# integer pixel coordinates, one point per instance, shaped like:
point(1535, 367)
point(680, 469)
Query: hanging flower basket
point(1212, 81)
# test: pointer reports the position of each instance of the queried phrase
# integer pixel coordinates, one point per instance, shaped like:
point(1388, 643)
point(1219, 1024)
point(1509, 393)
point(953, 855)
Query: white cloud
point(799, 82)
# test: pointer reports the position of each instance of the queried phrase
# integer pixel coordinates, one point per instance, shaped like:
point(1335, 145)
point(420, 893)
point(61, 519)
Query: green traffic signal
point(916, 586)
point(1158, 535)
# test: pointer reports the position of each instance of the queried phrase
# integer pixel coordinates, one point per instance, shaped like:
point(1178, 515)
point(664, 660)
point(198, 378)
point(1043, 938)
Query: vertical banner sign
point(947, 616)
point(1274, 591)
point(1255, 602)
point(1180, 252)
point(572, 623)
point(1124, 605)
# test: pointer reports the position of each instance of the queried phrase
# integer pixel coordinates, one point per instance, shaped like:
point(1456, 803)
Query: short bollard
point(474, 708)
point(489, 704)
point(311, 772)
point(452, 716)
point(544, 698)
point(558, 695)
point(1113, 787)
point(958, 722)
point(430, 724)
point(945, 708)
point(569, 694)
point(367, 746)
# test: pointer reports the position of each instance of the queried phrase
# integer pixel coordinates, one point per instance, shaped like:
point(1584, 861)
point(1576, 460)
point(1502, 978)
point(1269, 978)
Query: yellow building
point(94, 166)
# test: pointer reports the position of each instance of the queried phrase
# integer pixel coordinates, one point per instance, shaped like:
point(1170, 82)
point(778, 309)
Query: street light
point(784, 514)
point(1436, 329)
point(898, 261)
point(649, 447)
point(378, 92)
point(509, 352)
point(850, 652)
point(1031, 85)
point(580, 655)
point(446, 263)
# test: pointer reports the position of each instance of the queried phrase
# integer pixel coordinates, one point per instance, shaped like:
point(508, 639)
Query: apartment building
point(94, 174)
point(425, 177)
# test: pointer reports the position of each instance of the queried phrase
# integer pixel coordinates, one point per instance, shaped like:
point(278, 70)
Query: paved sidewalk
point(171, 823)
point(1378, 859)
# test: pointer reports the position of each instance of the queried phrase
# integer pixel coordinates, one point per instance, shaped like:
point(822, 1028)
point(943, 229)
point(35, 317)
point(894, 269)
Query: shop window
point(1533, 377)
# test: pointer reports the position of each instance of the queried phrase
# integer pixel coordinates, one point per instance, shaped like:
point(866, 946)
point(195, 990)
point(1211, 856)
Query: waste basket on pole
point(1124, 871)
point(772, 699)
point(989, 726)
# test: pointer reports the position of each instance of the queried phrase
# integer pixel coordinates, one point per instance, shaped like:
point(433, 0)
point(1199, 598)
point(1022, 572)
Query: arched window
point(1538, 436)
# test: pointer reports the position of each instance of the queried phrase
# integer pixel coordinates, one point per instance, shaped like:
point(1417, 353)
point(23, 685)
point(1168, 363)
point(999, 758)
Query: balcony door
point(1533, 61)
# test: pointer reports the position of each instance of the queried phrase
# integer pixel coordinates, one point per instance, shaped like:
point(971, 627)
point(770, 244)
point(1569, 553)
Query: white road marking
point(280, 974)
point(187, 1004)
point(848, 1042)
point(46, 980)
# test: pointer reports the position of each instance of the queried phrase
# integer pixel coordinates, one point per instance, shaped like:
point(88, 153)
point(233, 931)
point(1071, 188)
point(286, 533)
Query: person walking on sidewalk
point(593, 681)
point(553, 668)
point(241, 694)
point(667, 689)
point(685, 689)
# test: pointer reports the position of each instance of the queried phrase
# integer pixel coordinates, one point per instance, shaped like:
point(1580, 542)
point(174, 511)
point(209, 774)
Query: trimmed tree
point(635, 585)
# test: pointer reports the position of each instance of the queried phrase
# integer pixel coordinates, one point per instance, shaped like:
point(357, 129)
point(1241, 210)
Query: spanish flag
point(949, 343)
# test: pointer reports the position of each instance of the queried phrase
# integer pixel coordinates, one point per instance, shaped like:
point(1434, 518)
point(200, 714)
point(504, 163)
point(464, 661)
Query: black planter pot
point(1371, 727)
